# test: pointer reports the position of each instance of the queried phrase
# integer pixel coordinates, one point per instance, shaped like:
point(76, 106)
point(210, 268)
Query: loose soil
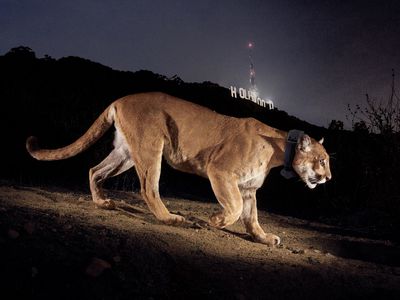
point(56, 244)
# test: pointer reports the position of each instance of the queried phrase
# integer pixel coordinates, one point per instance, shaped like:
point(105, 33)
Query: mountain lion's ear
point(321, 141)
point(305, 143)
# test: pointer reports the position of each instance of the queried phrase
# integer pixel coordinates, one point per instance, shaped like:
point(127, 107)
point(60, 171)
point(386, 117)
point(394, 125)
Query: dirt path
point(55, 244)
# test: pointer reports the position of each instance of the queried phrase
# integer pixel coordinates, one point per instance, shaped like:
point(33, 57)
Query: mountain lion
point(234, 154)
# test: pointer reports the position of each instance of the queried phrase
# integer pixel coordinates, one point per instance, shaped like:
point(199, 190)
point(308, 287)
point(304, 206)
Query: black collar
point(293, 139)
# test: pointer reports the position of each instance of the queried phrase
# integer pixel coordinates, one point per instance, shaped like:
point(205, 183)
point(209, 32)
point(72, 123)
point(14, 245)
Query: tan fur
point(234, 154)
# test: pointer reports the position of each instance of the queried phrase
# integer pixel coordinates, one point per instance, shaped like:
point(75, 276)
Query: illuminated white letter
point(270, 104)
point(253, 95)
point(242, 93)
point(233, 92)
point(248, 95)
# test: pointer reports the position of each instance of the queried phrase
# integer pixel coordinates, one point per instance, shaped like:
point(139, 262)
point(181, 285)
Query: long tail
point(95, 132)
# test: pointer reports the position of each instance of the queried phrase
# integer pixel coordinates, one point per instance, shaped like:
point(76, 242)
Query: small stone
point(97, 266)
point(388, 243)
point(196, 226)
point(29, 227)
point(298, 251)
point(34, 272)
point(396, 271)
point(312, 260)
point(240, 297)
point(13, 234)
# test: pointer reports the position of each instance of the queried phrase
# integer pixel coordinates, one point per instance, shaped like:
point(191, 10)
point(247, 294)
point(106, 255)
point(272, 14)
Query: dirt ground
point(57, 244)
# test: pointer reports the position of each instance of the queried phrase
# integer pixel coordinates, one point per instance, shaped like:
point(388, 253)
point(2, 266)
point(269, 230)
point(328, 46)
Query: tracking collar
point(293, 139)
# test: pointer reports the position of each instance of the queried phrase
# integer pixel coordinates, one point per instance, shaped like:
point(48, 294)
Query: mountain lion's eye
point(322, 162)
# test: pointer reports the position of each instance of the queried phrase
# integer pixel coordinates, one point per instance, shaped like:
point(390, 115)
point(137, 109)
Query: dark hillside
point(57, 100)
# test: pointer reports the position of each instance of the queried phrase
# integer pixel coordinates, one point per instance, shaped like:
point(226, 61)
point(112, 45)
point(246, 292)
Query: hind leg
point(148, 168)
point(117, 162)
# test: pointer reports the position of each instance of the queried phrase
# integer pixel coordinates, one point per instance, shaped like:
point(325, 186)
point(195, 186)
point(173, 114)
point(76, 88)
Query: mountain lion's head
point(311, 162)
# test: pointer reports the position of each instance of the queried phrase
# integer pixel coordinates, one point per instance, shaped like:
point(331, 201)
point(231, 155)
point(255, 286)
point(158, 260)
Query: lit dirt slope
point(56, 244)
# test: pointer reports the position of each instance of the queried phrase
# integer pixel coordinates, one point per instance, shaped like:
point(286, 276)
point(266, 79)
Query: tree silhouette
point(336, 125)
point(379, 116)
point(21, 52)
point(360, 127)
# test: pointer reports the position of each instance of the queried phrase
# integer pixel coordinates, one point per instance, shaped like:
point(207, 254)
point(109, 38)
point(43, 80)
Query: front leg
point(250, 220)
point(227, 192)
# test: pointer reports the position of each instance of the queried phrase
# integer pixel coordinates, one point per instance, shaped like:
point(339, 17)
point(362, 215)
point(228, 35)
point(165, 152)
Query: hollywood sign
point(252, 96)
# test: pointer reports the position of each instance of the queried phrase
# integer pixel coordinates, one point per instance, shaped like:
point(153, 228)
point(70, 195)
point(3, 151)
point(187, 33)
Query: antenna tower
point(252, 72)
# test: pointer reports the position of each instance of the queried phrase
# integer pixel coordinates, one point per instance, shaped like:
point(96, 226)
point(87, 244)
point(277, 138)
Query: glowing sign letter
point(242, 93)
point(233, 92)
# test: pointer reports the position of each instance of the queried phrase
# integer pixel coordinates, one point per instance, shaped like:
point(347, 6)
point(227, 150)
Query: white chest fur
point(254, 178)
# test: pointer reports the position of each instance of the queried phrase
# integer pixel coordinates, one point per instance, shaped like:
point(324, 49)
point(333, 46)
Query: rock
point(13, 234)
point(97, 266)
point(295, 251)
point(240, 297)
point(312, 260)
point(196, 226)
point(34, 272)
point(29, 227)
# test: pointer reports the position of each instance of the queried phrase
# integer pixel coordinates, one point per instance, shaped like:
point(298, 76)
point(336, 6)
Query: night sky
point(311, 57)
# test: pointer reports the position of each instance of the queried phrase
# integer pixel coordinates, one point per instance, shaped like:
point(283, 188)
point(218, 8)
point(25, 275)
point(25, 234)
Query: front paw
point(268, 239)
